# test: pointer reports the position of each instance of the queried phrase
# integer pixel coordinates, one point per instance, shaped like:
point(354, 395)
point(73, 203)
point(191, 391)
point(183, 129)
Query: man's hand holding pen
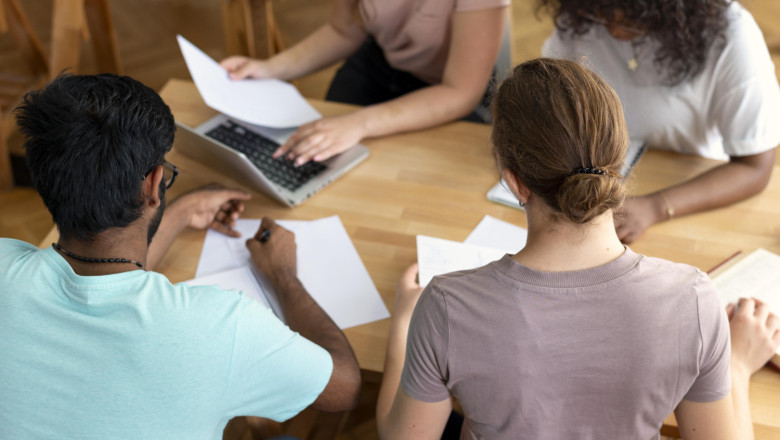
point(273, 252)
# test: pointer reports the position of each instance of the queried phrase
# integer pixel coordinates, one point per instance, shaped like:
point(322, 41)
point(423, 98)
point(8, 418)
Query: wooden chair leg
point(103, 35)
point(236, 28)
point(6, 175)
point(22, 33)
point(250, 28)
point(67, 35)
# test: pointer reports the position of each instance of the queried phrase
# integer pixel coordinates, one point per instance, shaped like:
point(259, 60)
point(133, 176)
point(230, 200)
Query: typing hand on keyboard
point(259, 150)
point(322, 139)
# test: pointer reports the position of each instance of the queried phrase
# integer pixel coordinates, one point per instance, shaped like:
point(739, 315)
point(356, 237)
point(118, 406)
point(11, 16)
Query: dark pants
point(366, 78)
point(453, 427)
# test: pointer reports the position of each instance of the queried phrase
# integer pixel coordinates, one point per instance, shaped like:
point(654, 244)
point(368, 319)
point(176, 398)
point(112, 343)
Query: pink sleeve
point(714, 379)
point(425, 370)
point(475, 5)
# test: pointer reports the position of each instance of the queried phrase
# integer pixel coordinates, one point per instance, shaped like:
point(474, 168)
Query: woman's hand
point(322, 139)
point(755, 335)
point(241, 67)
point(407, 293)
point(638, 214)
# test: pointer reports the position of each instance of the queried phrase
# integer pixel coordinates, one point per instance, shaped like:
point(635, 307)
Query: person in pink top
point(576, 335)
point(413, 64)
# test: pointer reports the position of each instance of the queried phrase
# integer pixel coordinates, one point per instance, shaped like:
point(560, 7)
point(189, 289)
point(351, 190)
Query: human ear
point(518, 189)
point(151, 186)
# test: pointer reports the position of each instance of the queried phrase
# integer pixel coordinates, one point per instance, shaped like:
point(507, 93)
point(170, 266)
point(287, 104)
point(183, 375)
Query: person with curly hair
point(694, 77)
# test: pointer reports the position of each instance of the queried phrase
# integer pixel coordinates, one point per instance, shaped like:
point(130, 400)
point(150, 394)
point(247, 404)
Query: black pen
point(265, 234)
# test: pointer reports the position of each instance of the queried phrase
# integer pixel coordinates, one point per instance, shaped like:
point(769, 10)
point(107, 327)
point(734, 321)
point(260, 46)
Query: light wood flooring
point(148, 51)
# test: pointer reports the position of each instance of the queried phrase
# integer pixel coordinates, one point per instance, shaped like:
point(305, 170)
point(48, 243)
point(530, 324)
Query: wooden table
point(434, 183)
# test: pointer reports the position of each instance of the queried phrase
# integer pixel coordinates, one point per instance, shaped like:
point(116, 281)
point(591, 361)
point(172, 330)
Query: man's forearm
point(303, 315)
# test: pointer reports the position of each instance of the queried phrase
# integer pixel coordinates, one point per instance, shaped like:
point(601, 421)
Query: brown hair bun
point(553, 118)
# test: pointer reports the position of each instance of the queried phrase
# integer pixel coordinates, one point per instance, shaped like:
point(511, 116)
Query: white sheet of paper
point(328, 266)
point(266, 102)
point(498, 234)
point(436, 256)
point(239, 279)
point(755, 276)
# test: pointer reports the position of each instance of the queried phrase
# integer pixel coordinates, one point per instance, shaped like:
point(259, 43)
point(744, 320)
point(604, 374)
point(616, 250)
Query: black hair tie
point(587, 171)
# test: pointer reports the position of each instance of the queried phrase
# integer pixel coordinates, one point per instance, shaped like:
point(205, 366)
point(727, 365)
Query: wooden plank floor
point(149, 53)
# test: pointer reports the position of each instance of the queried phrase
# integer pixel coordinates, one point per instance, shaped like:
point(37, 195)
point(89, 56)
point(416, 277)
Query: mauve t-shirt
point(415, 34)
point(606, 352)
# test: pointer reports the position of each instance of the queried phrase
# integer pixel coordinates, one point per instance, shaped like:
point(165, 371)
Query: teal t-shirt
point(131, 355)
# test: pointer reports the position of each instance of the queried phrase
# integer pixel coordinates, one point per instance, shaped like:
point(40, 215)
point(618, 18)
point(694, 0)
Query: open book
point(755, 275)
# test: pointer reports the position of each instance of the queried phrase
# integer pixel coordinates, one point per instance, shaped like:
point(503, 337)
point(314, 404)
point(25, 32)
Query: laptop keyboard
point(259, 149)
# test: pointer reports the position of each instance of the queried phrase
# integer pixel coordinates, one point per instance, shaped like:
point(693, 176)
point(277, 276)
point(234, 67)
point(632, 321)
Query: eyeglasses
point(609, 24)
point(170, 172)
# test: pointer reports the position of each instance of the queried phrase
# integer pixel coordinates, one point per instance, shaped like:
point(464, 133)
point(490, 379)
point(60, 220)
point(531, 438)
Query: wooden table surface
point(434, 183)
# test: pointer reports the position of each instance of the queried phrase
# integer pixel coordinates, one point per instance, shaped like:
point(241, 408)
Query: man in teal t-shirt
point(93, 343)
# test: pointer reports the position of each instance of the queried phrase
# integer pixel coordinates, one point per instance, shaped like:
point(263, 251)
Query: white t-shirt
point(730, 109)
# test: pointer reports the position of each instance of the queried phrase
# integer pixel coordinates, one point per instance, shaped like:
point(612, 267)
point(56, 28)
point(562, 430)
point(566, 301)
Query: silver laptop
point(243, 151)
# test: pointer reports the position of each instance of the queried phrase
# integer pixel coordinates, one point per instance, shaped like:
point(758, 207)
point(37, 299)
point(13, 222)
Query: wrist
point(284, 280)
point(740, 373)
point(665, 208)
point(661, 212)
point(361, 120)
point(275, 68)
point(181, 209)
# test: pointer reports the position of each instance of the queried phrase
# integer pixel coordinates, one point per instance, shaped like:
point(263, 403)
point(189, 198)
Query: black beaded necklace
point(96, 260)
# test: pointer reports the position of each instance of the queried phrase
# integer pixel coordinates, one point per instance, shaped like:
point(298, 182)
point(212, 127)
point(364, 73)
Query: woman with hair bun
point(695, 77)
point(575, 336)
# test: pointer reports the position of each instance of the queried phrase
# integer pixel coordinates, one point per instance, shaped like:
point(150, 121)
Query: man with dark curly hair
point(93, 342)
point(695, 77)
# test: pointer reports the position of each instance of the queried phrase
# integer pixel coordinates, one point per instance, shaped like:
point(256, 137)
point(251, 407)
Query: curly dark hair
point(685, 29)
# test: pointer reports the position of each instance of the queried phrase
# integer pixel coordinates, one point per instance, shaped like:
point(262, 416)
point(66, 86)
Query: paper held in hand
point(755, 275)
point(266, 102)
point(489, 241)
